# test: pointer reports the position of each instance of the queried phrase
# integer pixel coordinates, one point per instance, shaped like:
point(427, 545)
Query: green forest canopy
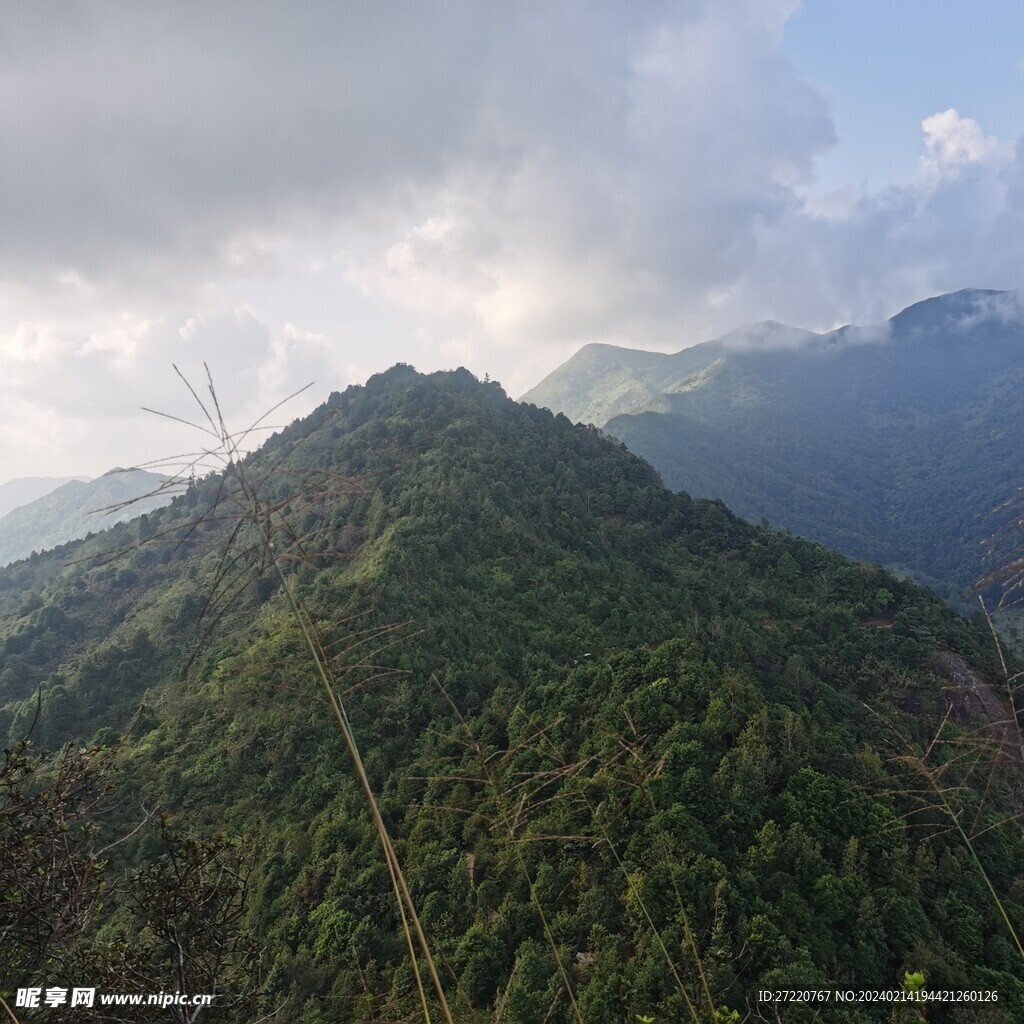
point(575, 691)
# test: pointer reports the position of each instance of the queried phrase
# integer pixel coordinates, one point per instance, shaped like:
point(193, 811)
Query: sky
point(296, 193)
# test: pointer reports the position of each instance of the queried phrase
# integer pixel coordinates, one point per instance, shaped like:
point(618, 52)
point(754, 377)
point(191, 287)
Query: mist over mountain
point(892, 442)
point(74, 508)
point(610, 727)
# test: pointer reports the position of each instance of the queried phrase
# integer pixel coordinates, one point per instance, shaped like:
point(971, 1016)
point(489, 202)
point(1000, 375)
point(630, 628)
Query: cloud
point(67, 390)
point(154, 145)
point(638, 189)
point(316, 191)
point(954, 142)
point(999, 309)
point(29, 343)
point(765, 336)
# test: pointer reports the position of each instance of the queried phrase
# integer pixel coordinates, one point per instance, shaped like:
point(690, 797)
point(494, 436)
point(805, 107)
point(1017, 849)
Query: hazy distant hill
point(892, 442)
point(27, 488)
point(76, 508)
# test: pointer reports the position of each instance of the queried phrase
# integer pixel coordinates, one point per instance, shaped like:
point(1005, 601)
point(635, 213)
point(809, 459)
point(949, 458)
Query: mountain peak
point(22, 490)
point(764, 335)
point(967, 306)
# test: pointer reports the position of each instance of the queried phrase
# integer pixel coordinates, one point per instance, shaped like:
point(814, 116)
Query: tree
point(192, 903)
point(51, 872)
point(189, 904)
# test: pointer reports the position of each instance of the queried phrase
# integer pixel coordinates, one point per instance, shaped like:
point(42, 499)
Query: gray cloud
point(149, 138)
point(146, 136)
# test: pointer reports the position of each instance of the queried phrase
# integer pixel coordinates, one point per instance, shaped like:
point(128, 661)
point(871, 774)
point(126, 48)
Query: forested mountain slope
point(893, 442)
point(689, 752)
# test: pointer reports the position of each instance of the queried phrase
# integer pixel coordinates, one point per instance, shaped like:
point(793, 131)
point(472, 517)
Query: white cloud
point(247, 251)
point(30, 343)
point(437, 266)
point(954, 142)
point(67, 390)
point(298, 357)
point(120, 340)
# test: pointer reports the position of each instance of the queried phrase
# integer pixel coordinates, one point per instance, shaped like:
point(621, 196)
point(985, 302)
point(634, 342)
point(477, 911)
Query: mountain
point(688, 755)
point(601, 382)
point(25, 489)
point(892, 442)
point(77, 507)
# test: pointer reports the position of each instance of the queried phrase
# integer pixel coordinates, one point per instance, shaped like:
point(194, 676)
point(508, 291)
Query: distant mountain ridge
point(22, 490)
point(891, 442)
point(602, 381)
point(77, 508)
